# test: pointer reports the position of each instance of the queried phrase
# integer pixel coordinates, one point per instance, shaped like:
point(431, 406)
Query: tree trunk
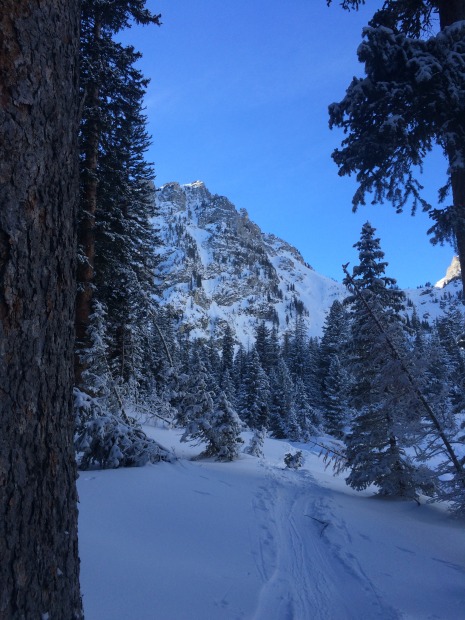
point(39, 564)
point(458, 196)
point(451, 11)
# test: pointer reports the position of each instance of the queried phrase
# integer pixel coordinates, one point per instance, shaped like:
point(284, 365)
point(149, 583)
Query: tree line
point(364, 383)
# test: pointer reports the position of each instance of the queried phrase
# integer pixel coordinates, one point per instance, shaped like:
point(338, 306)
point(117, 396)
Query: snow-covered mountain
point(218, 267)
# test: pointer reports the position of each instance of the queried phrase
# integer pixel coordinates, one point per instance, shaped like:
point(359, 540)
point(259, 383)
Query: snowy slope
point(218, 267)
point(431, 301)
point(201, 540)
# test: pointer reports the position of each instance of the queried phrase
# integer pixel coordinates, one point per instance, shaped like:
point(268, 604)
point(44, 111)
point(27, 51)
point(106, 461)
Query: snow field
point(201, 540)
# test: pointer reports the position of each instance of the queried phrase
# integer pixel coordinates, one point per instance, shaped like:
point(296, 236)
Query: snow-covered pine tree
point(274, 348)
point(97, 374)
point(296, 356)
point(105, 436)
point(211, 422)
point(227, 349)
point(375, 455)
point(312, 376)
point(224, 436)
point(112, 140)
point(213, 363)
point(240, 362)
point(333, 369)
point(282, 403)
point(194, 401)
point(410, 99)
point(228, 387)
point(254, 393)
point(255, 447)
point(434, 370)
point(381, 397)
point(337, 385)
point(125, 240)
point(160, 356)
point(435, 379)
point(308, 417)
point(335, 336)
point(449, 328)
point(262, 345)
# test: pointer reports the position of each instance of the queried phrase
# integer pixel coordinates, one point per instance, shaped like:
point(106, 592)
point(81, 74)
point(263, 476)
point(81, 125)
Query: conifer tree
point(227, 349)
point(125, 240)
point(239, 368)
point(436, 379)
point(282, 405)
point(449, 329)
point(255, 447)
point(105, 436)
point(274, 349)
point(224, 438)
point(254, 394)
point(196, 404)
point(336, 391)
point(410, 99)
point(375, 453)
point(213, 364)
point(115, 240)
point(262, 345)
point(333, 340)
point(312, 375)
point(297, 356)
point(308, 417)
point(228, 387)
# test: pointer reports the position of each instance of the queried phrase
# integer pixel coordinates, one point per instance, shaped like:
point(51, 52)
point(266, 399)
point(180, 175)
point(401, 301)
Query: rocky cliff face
point(217, 266)
point(453, 273)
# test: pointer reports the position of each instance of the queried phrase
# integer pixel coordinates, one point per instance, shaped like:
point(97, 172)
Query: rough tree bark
point(450, 11)
point(39, 565)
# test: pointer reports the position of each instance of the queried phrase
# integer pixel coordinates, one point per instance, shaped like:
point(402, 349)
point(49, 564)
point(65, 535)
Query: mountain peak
point(218, 267)
point(453, 273)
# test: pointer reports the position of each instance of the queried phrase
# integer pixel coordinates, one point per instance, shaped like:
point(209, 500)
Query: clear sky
point(238, 98)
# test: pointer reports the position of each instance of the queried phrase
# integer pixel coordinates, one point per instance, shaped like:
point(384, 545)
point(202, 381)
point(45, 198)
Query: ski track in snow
point(251, 540)
point(298, 580)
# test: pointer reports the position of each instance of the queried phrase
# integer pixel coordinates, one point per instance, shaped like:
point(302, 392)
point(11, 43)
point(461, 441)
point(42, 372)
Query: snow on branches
point(413, 96)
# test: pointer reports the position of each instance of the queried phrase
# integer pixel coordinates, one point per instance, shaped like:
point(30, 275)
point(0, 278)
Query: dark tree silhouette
point(39, 567)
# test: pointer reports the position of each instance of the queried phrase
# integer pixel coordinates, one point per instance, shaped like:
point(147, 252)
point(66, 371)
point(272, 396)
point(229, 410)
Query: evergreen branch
point(153, 315)
point(416, 390)
point(338, 460)
point(151, 413)
point(328, 449)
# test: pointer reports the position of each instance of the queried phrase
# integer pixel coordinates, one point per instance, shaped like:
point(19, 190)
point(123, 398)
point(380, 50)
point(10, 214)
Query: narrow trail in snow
point(296, 557)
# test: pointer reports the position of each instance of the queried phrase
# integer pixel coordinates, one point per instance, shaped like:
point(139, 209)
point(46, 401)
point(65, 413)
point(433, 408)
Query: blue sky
point(238, 99)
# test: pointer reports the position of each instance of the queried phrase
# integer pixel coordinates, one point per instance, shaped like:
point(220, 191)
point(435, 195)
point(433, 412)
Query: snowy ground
point(201, 540)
